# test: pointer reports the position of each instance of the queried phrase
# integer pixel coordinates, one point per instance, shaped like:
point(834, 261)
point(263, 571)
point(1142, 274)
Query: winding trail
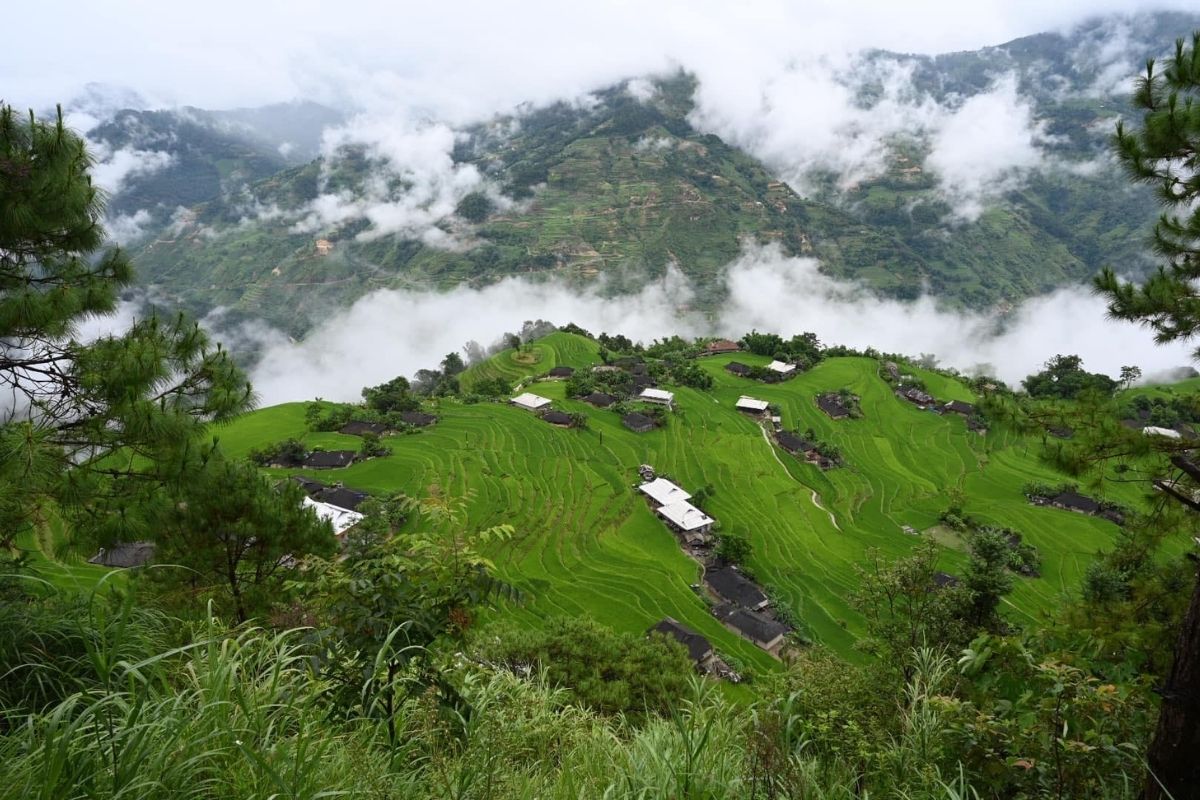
point(816, 498)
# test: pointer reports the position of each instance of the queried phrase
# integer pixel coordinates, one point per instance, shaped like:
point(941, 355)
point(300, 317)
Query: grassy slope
point(587, 543)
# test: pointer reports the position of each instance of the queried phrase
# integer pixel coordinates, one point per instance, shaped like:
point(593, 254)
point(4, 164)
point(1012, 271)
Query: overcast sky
point(462, 60)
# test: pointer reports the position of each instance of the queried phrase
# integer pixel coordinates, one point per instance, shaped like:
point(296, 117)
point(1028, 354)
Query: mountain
point(623, 185)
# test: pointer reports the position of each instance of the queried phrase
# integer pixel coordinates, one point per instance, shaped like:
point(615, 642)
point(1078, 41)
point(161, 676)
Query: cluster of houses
point(1070, 500)
point(774, 372)
point(925, 401)
point(417, 419)
point(834, 406)
point(670, 502)
point(803, 448)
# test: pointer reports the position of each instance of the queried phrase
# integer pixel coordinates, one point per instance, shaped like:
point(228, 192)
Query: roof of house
point(124, 554)
point(557, 418)
point(600, 399)
point(360, 427)
point(959, 407)
point(561, 372)
point(721, 346)
point(832, 405)
point(349, 499)
point(530, 401)
point(1076, 502)
point(638, 422)
point(341, 519)
point(1153, 430)
point(309, 485)
point(1060, 432)
point(781, 367)
point(737, 368)
point(734, 587)
point(698, 647)
point(793, 443)
point(657, 395)
point(751, 404)
point(685, 516)
point(752, 625)
point(663, 492)
point(916, 395)
point(418, 418)
point(944, 579)
point(327, 459)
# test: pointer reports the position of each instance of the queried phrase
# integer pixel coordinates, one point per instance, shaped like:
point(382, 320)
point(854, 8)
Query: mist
point(391, 333)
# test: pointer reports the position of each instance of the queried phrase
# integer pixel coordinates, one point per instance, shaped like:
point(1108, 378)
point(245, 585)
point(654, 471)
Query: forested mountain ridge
point(626, 183)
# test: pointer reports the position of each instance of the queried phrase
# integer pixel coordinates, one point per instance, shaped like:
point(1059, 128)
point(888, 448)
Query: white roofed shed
point(745, 403)
point(530, 402)
point(663, 492)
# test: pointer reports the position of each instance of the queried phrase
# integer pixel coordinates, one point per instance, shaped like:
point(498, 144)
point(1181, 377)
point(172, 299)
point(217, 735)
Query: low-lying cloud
point(391, 333)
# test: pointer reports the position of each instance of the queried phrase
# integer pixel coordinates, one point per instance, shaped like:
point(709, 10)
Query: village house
point(959, 407)
point(417, 419)
point(324, 247)
point(124, 555)
point(329, 459)
point(600, 399)
point(762, 630)
point(341, 519)
point(751, 405)
point(530, 402)
point(718, 346)
point(340, 496)
point(560, 373)
point(658, 396)
point(606, 368)
point(663, 492)
point(833, 406)
point(1060, 432)
point(360, 428)
point(730, 585)
point(693, 523)
point(918, 398)
point(310, 485)
point(558, 419)
point(699, 649)
point(638, 423)
point(737, 368)
point(1167, 433)
point(1073, 501)
point(944, 580)
point(781, 368)
point(796, 445)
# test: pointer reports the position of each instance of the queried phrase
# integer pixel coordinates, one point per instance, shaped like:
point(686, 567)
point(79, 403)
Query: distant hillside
point(627, 186)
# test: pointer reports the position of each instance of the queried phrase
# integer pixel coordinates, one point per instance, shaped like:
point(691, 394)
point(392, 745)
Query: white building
point(781, 368)
point(663, 492)
point(1151, 430)
point(660, 396)
point(530, 402)
point(686, 517)
point(341, 519)
point(752, 405)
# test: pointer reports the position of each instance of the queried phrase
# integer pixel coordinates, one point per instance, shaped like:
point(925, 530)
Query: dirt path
point(816, 498)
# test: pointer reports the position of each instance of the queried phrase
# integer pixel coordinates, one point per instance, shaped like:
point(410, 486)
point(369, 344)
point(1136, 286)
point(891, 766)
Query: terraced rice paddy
point(587, 544)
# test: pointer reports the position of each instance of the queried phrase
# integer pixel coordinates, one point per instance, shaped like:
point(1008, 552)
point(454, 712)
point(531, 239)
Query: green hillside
point(587, 544)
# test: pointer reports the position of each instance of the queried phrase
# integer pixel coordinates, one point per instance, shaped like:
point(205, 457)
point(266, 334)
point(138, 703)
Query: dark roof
point(309, 485)
point(1076, 502)
point(943, 580)
point(733, 586)
point(752, 625)
point(1060, 432)
point(418, 418)
point(915, 395)
point(358, 428)
point(638, 422)
point(737, 368)
point(642, 381)
point(959, 407)
point(326, 459)
point(600, 399)
point(557, 418)
point(832, 405)
point(639, 368)
point(793, 443)
point(698, 647)
point(124, 554)
point(721, 346)
point(561, 372)
point(341, 497)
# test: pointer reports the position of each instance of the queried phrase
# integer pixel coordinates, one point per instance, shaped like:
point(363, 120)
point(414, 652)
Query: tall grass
point(243, 714)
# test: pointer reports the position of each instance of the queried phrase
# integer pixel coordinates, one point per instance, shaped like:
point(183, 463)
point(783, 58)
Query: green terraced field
point(588, 544)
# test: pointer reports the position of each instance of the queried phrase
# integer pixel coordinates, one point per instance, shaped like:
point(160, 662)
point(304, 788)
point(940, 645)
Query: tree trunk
point(1174, 754)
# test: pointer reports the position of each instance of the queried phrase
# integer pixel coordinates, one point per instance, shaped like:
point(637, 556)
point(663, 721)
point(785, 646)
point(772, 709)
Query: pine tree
point(1165, 152)
point(92, 428)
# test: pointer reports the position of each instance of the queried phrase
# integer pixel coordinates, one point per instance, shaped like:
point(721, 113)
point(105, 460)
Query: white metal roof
point(342, 519)
point(530, 401)
point(751, 404)
point(1151, 430)
point(780, 367)
point(663, 492)
point(685, 516)
point(657, 394)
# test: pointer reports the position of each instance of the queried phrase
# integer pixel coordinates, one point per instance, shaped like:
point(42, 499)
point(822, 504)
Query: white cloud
point(114, 167)
point(125, 229)
point(389, 333)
